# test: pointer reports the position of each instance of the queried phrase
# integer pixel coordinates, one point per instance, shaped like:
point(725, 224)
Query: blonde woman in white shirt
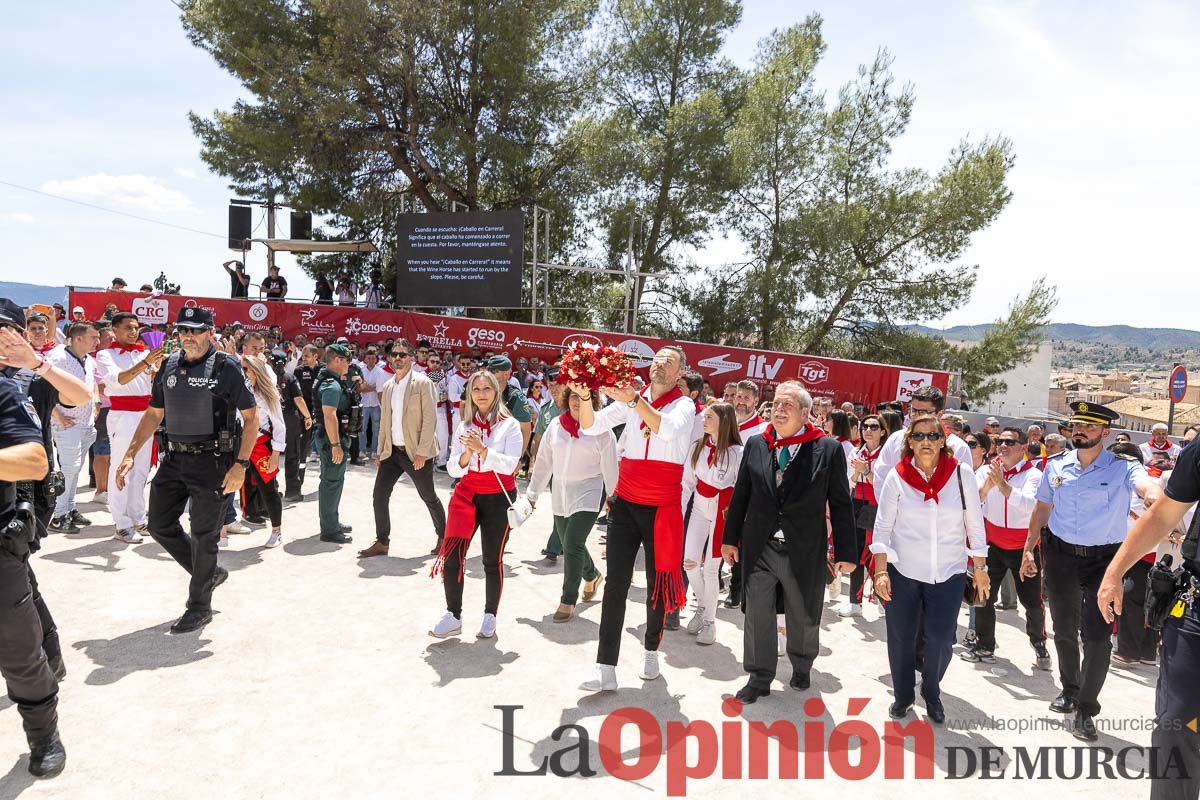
point(928, 523)
point(484, 456)
point(272, 441)
point(582, 466)
point(709, 474)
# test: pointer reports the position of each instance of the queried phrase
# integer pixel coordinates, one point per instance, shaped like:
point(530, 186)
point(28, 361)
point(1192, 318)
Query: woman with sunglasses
point(929, 522)
point(865, 506)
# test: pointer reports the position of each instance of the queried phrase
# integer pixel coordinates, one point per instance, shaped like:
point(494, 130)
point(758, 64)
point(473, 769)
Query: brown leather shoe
point(377, 549)
point(564, 613)
point(591, 587)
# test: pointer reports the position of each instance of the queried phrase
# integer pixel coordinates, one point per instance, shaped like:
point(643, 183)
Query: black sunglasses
point(1007, 442)
point(971, 443)
point(870, 426)
point(400, 354)
point(932, 436)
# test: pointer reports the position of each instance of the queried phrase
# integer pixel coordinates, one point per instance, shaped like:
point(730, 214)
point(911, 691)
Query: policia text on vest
point(199, 396)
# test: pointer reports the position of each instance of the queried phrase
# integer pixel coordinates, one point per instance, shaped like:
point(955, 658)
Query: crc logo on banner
point(639, 352)
point(151, 310)
point(258, 312)
point(813, 373)
point(719, 364)
point(909, 381)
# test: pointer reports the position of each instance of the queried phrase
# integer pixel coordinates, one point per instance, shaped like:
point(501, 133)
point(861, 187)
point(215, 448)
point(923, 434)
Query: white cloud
point(136, 192)
point(16, 216)
point(186, 172)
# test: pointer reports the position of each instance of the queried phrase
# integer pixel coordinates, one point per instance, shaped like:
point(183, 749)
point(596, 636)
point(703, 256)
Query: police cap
point(194, 317)
point(338, 350)
point(1093, 414)
point(11, 314)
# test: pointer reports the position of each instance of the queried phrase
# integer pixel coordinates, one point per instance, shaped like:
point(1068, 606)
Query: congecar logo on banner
point(719, 364)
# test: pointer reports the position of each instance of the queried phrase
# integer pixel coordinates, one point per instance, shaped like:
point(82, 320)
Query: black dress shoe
point(293, 497)
point(897, 711)
point(345, 528)
point(935, 711)
point(220, 576)
point(1085, 728)
point(437, 548)
point(734, 600)
point(672, 621)
point(57, 666)
point(192, 621)
point(750, 693)
point(799, 681)
point(336, 538)
point(47, 756)
point(1063, 704)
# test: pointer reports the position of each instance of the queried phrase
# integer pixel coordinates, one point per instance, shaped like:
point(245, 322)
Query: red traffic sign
point(1177, 384)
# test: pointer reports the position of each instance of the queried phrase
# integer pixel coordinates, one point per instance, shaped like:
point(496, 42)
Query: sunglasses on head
point(932, 436)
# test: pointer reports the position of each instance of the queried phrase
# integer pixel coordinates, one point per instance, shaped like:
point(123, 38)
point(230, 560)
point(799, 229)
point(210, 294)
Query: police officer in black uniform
point(1177, 699)
point(198, 393)
point(24, 666)
point(306, 373)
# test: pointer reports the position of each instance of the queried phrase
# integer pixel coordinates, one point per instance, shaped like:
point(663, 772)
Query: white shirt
point(376, 377)
point(65, 360)
point(270, 421)
point(751, 427)
point(1015, 510)
point(928, 541)
point(503, 454)
point(456, 382)
point(893, 449)
point(581, 467)
point(721, 475)
point(111, 363)
point(1147, 451)
point(671, 442)
point(399, 389)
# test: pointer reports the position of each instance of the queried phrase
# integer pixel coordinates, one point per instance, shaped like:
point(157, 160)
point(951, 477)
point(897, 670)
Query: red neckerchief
point(870, 457)
point(909, 473)
point(1025, 465)
point(753, 422)
point(1153, 472)
point(699, 407)
point(136, 347)
point(809, 433)
point(841, 439)
point(569, 424)
point(46, 348)
point(712, 452)
point(1164, 448)
point(459, 373)
point(483, 425)
point(658, 404)
point(388, 370)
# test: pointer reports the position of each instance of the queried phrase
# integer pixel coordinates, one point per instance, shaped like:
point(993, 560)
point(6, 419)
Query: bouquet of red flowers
point(595, 366)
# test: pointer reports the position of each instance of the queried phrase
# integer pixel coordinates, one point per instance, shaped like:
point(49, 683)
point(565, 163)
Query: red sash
point(941, 476)
point(659, 483)
point(260, 457)
point(723, 497)
point(460, 515)
point(1005, 538)
point(129, 402)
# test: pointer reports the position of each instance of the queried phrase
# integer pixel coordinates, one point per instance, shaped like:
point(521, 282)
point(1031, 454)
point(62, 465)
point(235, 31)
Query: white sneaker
point(237, 527)
point(849, 609)
point(100, 497)
point(835, 588)
point(650, 666)
point(708, 633)
point(696, 622)
point(275, 539)
point(604, 679)
point(128, 536)
point(487, 628)
point(781, 644)
point(223, 543)
point(448, 625)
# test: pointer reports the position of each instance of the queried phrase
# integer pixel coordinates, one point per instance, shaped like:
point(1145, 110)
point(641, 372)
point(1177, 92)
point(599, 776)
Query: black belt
point(1080, 550)
point(192, 448)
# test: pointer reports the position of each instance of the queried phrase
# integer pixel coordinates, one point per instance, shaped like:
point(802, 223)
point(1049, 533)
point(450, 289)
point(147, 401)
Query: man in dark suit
point(775, 526)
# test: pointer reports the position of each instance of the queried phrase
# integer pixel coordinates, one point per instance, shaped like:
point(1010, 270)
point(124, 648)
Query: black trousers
point(859, 576)
point(396, 464)
point(1134, 639)
point(491, 521)
point(760, 643)
point(1029, 591)
point(182, 477)
point(267, 493)
point(295, 455)
point(1175, 702)
point(50, 642)
point(1071, 585)
point(630, 526)
point(23, 665)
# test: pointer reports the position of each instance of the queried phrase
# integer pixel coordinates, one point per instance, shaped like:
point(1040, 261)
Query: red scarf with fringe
point(659, 483)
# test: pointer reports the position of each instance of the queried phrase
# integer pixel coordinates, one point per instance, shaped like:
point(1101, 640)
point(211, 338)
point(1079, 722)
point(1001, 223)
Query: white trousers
point(700, 566)
point(443, 436)
point(128, 505)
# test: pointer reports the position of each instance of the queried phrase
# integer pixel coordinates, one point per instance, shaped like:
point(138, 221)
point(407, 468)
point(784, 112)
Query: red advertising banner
point(841, 380)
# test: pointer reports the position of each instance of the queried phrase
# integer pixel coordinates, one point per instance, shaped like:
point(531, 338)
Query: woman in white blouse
point(928, 523)
point(709, 474)
point(582, 466)
point(272, 441)
point(484, 456)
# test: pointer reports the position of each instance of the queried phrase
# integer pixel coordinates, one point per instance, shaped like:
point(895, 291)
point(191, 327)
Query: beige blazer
point(419, 421)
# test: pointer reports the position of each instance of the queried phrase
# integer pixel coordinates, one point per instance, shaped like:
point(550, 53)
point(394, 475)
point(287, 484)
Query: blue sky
point(1098, 98)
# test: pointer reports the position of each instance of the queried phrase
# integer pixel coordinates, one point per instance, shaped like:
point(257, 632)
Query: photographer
point(239, 281)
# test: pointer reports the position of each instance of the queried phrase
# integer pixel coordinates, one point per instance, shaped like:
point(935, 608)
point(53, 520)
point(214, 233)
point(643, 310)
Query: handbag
point(865, 518)
point(519, 510)
point(971, 595)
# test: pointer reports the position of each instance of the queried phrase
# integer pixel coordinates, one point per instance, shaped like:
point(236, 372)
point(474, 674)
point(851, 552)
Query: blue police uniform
point(1091, 506)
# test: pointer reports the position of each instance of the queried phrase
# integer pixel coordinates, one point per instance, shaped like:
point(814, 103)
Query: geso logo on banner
point(151, 310)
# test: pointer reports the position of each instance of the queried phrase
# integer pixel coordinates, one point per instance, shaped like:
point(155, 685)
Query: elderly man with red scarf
point(646, 508)
point(775, 526)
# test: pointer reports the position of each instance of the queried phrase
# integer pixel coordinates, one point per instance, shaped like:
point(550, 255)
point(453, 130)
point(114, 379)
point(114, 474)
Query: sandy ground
point(318, 678)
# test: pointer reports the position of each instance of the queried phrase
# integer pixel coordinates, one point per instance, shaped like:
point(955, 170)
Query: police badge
point(1056, 481)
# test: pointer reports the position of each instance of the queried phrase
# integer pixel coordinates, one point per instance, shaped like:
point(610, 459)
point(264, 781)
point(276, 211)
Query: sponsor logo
point(307, 318)
point(355, 326)
point(719, 364)
point(640, 353)
point(485, 337)
point(813, 372)
point(439, 330)
point(151, 310)
point(909, 381)
point(258, 312)
point(581, 338)
point(757, 367)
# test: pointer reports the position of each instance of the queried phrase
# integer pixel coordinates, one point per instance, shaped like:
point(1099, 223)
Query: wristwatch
point(634, 402)
point(245, 462)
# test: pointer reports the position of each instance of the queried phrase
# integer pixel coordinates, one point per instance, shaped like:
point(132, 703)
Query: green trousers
point(572, 532)
point(329, 490)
